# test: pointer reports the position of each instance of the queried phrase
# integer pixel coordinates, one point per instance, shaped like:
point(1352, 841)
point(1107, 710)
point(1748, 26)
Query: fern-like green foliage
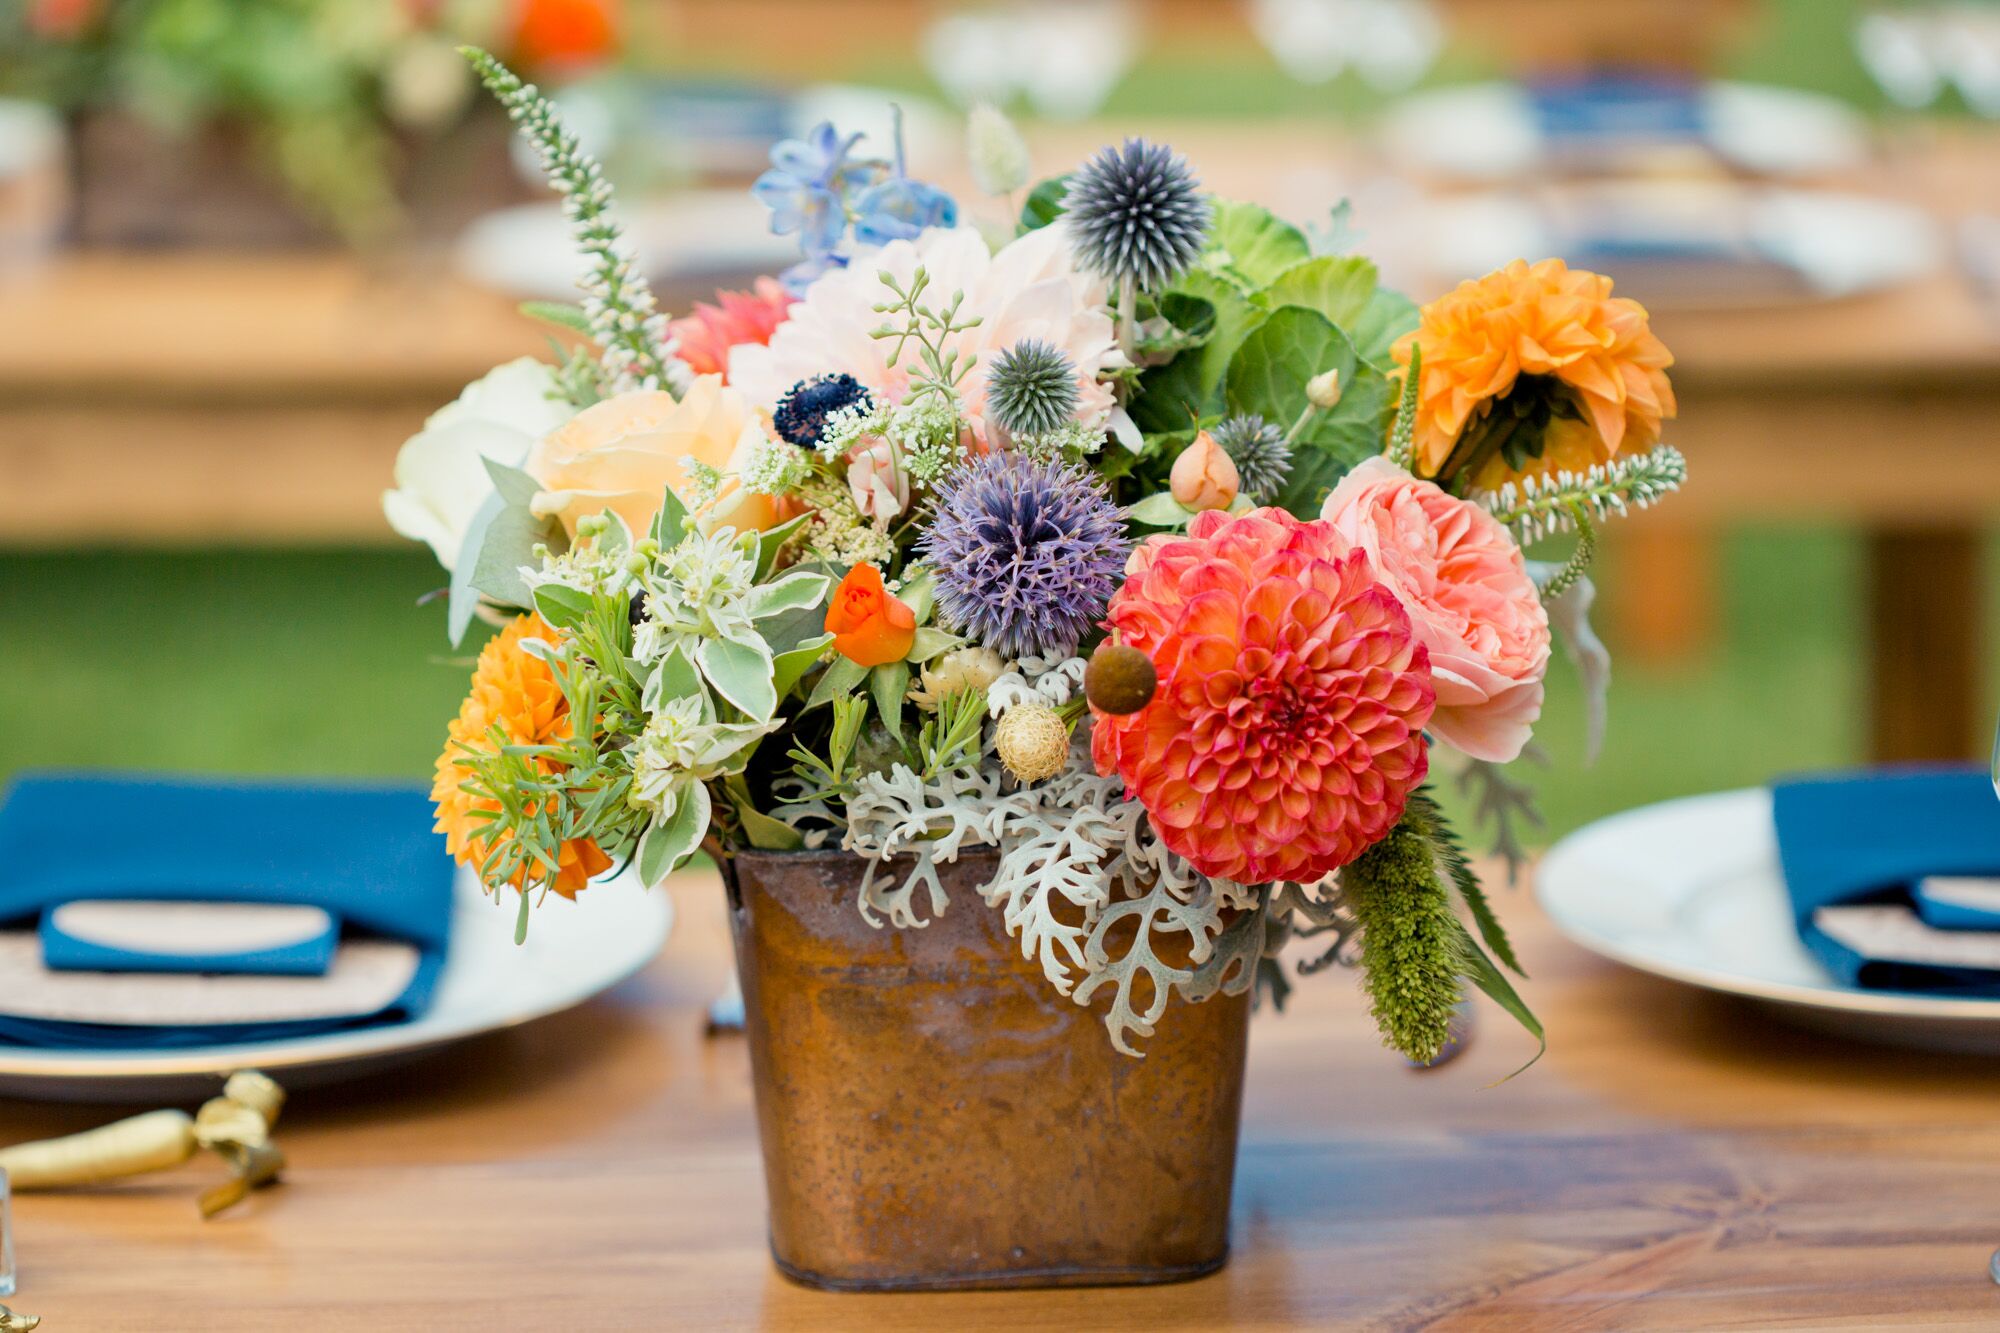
point(1423, 813)
point(1540, 506)
point(617, 304)
point(1412, 952)
point(1579, 559)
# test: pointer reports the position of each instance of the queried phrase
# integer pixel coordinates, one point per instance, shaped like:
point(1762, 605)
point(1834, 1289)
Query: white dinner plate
point(1690, 890)
point(574, 951)
point(1489, 131)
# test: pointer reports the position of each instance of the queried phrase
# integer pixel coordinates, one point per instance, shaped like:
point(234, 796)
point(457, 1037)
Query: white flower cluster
point(777, 468)
point(698, 590)
point(926, 430)
point(684, 744)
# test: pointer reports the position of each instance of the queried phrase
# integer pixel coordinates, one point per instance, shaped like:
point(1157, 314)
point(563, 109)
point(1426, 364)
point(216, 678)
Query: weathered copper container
point(935, 1115)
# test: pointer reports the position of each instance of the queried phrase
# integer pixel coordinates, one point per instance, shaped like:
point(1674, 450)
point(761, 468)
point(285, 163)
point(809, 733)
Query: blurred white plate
point(527, 251)
point(1691, 244)
point(1489, 131)
point(574, 951)
point(1690, 890)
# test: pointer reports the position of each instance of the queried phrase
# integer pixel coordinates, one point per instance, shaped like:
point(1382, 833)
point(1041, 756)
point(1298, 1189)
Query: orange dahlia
point(1596, 369)
point(705, 336)
point(519, 693)
point(1287, 729)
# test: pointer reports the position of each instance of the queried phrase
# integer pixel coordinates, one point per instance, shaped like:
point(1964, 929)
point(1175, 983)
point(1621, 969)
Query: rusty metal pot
point(935, 1115)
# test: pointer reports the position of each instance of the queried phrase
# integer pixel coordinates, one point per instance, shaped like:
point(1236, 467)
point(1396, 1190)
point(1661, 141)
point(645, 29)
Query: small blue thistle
point(1136, 215)
point(1027, 553)
point(1263, 459)
point(1031, 388)
point(801, 414)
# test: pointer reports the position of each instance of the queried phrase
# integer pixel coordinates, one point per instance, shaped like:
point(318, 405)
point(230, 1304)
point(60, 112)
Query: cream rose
point(623, 453)
point(1459, 574)
point(441, 476)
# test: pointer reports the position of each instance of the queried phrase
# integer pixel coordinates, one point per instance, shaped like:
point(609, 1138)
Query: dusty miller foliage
point(1083, 883)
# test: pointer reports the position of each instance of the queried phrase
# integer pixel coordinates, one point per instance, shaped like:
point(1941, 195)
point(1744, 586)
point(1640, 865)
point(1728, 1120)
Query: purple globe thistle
point(1027, 553)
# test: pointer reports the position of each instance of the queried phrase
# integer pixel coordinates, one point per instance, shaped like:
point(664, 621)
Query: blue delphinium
point(1027, 553)
point(817, 188)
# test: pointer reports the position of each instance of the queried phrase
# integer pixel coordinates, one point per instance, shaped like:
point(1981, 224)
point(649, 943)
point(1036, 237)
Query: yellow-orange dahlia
point(1287, 729)
point(1544, 319)
point(519, 693)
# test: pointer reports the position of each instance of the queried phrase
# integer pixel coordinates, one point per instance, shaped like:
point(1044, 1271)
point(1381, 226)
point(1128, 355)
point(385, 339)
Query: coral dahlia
point(1287, 729)
point(517, 692)
point(704, 337)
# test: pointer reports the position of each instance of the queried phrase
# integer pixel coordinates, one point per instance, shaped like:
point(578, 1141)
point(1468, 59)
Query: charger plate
point(1690, 890)
point(574, 951)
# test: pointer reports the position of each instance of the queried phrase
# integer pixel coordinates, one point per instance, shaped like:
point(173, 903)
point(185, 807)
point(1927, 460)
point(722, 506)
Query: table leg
point(1925, 621)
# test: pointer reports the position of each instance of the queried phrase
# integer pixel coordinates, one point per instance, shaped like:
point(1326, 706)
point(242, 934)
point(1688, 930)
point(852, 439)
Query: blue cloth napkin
point(1615, 106)
point(1869, 838)
point(364, 854)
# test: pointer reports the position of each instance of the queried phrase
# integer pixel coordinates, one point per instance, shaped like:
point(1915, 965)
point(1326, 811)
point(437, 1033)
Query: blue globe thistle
point(1136, 213)
point(1263, 459)
point(1031, 388)
point(1027, 553)
point(801, 414)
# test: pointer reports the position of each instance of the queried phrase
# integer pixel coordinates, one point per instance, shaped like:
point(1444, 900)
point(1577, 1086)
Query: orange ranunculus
point(518, 692)
point(869, 625)
point(1542, 319)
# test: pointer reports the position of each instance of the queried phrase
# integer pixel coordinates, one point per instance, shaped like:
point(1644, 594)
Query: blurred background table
point(1674, 1162)
point(201, 399)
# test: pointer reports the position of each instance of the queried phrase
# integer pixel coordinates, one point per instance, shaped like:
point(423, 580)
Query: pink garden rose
point(881, 489)
point(1459, 574)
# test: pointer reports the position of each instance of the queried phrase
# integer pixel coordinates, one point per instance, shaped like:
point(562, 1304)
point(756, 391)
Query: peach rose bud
point(1204, 476)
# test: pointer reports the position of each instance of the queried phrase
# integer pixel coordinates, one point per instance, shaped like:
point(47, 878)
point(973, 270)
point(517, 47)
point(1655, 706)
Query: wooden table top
point(1674, 1162)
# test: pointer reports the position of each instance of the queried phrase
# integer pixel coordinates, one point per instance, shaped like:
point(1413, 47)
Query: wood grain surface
point(1675, 1162)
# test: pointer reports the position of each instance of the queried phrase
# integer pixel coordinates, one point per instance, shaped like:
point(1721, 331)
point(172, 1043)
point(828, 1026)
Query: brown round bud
point(1119, 680)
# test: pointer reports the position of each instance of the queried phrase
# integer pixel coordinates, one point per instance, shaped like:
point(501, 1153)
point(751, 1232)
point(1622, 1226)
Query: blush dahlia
point(1287, 730)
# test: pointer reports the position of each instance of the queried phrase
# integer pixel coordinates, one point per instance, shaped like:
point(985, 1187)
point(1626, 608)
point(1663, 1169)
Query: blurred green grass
point(321, 662)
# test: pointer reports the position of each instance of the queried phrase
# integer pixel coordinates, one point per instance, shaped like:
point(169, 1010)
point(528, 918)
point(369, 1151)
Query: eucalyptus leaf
point(842, 677)
point(1160, 510)
point(889, 683)
point(795, 592)
point(772, 540)
point(668, 843)
point(788, 668)
point(930, 642)
point(670, 524)
point(741, 673)
point(562, 607)
point(1044, 205)
point(464, 601)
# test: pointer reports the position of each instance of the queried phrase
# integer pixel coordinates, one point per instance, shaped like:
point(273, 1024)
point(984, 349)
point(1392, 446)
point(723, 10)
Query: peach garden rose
point(1460, 575)
point(622, 454)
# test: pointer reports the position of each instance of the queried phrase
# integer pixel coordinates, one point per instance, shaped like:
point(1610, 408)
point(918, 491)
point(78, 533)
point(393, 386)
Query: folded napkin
point(1856, 850)
point(1618, 107)
point(366, 879)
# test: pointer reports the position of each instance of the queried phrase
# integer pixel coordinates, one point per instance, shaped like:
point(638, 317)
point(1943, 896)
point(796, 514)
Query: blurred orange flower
point(1544, 319)
point(518, 693)
point(706, 335)
point(564, 32)
point(870, 626)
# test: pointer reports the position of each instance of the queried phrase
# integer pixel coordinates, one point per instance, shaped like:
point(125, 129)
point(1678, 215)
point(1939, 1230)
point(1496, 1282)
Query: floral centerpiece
point(1126, 567)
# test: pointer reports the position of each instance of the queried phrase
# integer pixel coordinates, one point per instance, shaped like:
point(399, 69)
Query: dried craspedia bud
point(1119, 680)
point(1032, 742)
